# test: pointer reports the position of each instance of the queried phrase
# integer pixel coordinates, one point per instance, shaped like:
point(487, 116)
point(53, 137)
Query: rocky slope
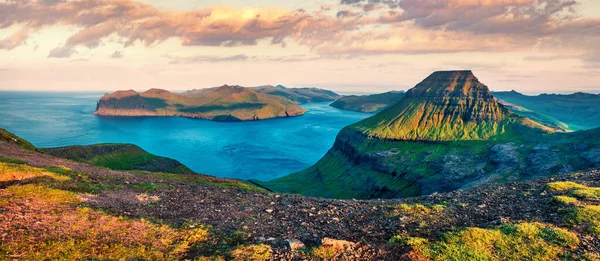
point(119, 157)
point(368, 103)
point(447, 133)
point(53, 208)
point(578, 111)
point(225, 103)
point(298, 95)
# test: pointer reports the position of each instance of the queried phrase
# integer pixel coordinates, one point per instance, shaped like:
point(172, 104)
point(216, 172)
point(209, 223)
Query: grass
point(523, 241)
point(119, 157)
point(6, 136)
point(418, 210)
point(575, 189)
point(586, 216)
point(12, 160)
point(578, 213)
point(205, 180)
point(564, 200)
point(59, 227)
point(252, 253)
point(324, 252)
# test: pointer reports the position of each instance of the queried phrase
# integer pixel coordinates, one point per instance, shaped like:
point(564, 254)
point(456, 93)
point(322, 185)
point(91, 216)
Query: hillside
point(578, 111)
point(225, 103)
point(368, 103)
point(6, 136)
point(119, 157)
point(447, 133)
point(298, 95)
point(54, 208)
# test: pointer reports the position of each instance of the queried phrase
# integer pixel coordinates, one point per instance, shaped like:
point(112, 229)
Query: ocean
point(261, 150)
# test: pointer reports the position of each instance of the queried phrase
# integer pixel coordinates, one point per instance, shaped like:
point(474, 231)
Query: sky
point(350, 46)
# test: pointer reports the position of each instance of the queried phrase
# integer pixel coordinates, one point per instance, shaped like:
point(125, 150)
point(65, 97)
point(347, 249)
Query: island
point(225, 103)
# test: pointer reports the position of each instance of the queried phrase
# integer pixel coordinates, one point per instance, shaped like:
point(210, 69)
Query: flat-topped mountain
point(447, 133)
point(299, 95)
point(225, 103)
point(368, 103)
point(450, 105)
point(578, 111)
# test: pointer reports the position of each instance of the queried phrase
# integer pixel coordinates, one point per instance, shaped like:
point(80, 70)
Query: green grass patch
point(524, 241)
point(575, 189)
point(564, 200)
point(418, 210)
point(252, 253)
point(587, 216)
point(12, 160)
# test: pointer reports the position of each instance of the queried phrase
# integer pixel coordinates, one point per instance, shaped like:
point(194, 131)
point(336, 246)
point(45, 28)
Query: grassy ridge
point(119, 157)
point(368, 103)
point(6, 136)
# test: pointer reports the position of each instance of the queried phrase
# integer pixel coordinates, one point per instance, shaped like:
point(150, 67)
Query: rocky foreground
point(64, 209)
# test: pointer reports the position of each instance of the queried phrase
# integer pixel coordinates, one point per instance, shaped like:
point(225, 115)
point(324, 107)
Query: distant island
point(299, 95)
point(225, 103)
point(368, 103)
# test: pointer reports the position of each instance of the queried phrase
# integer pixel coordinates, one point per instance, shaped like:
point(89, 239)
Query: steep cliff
point(447, 133)
point(225, 103)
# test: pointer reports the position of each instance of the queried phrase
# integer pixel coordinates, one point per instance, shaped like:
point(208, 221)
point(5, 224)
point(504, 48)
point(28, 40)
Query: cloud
point(116, 55)
point(208, 59)
point(14, 40)
point(61, 52)
point(134, 21)
point(356, 27)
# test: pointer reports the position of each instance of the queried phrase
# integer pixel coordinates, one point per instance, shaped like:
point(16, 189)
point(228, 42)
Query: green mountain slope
point(368, 103)
point(298, 95)
point(6, 136)
point(447, 133)
point(578, 111)
point(225, 103)
point(119, 157)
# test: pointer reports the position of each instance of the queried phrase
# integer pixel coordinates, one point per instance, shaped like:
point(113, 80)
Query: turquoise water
point(260, 150)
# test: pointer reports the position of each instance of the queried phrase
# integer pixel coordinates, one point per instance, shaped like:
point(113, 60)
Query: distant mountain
point(368, 103)
point(298, 95)
point(578, 111)
point(225, 103)
point(119, 157)
point(447, 133)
